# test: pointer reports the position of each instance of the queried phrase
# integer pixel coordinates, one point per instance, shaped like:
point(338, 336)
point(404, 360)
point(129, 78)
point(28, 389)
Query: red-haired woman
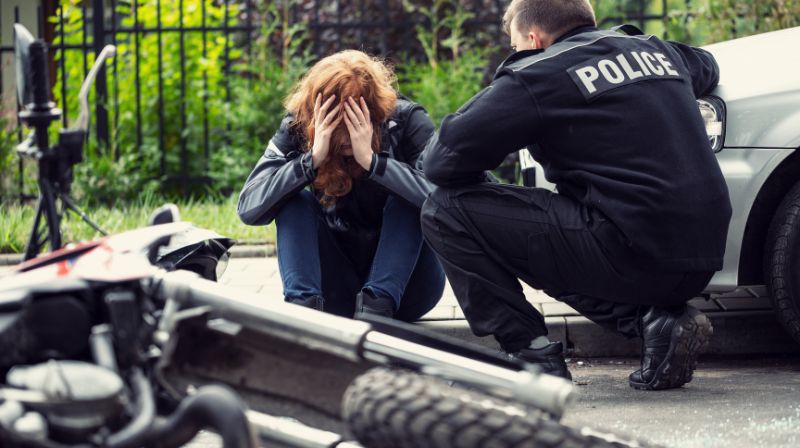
point(351, 242)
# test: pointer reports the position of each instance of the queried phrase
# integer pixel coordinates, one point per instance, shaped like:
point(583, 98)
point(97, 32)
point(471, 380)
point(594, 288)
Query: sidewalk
point(743, 324)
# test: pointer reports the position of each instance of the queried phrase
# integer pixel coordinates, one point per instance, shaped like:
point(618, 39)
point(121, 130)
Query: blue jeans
point(312, 262)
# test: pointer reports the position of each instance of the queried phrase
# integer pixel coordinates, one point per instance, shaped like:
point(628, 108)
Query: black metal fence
point(385, 27)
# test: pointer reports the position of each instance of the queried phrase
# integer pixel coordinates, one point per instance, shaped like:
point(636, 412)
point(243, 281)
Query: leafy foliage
point(265, 77)
point(455, 66)
point(221, 92)
point(7, 158)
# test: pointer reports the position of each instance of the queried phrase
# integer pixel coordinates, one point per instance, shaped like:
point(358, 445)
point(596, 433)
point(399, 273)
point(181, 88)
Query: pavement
point(744, 322)
point(732, 402)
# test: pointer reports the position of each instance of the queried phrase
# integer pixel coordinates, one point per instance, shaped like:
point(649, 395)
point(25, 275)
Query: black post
point(101, 89)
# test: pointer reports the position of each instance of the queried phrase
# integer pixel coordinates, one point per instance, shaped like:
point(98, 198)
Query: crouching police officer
point(640, 219)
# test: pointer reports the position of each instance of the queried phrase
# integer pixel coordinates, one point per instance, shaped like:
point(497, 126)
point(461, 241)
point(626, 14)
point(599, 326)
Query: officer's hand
point(359, 125)
point(324, 123)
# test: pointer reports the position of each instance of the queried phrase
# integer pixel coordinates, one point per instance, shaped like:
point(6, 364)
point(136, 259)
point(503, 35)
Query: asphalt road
point(732, 403)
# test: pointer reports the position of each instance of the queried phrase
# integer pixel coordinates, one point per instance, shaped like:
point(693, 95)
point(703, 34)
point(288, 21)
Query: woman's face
point(340, 141)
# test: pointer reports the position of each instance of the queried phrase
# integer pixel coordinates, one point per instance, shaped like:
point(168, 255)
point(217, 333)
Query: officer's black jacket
point(614, 122)
point(286, 168)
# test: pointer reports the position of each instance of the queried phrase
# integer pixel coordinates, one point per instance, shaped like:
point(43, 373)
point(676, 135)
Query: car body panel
point(746, 170)
point(760, 85)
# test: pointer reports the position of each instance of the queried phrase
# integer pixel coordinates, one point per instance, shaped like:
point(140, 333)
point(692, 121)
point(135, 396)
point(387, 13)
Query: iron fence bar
point(115, 76)
point(641, 13)
point(183, 131)
point(205, 83)
point(315, 35)
point(1, 51)
point(64, 90)
point(20, 164)
point(186, 29)
point(85, 42)
point(386, 23)
point(250, 29)
point(51, 46)
point(227, 68)
point(163, 161)
point(360, 30)
point(101, 83)
point(137, 57)
point(339, 22)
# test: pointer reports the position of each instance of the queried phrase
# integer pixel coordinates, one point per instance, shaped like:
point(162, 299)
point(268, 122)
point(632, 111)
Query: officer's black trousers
point(488, 236)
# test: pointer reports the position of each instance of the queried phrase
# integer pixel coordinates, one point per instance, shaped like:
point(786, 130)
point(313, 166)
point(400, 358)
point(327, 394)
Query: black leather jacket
point(285, 169)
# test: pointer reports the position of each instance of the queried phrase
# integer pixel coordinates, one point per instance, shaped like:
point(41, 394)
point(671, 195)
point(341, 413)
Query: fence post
point(101, 88)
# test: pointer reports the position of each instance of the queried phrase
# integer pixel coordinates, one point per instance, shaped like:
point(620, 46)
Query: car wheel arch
point(769, 197)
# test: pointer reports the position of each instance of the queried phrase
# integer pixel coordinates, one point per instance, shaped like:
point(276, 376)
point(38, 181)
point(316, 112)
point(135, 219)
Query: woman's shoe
point(313, 302)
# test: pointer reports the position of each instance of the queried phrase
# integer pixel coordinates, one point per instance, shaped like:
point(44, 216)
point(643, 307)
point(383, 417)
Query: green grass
point(217, 215)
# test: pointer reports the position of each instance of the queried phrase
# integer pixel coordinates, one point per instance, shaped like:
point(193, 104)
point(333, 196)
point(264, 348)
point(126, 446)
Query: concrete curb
point(244, 251)
point(735, 333)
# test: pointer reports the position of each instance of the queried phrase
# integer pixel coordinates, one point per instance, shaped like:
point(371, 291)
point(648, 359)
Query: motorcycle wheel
point(400, 409)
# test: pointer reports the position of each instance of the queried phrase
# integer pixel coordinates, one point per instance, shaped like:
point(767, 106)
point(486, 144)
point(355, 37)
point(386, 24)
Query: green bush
point(454, 66)
point(264, 78)
point(7, 157)
point(702, 22)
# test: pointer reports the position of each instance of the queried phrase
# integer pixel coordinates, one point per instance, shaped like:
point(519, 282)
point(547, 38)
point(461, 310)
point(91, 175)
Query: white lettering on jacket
point(602, 74)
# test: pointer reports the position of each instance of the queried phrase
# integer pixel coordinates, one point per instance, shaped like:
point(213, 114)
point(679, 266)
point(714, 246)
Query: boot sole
point(690, 337)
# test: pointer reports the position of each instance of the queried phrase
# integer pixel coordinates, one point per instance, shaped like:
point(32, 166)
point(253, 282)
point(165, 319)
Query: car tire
point(782, 262)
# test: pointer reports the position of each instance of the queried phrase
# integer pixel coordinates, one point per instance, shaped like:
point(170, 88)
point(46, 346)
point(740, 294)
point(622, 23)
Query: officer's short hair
point(551, 16)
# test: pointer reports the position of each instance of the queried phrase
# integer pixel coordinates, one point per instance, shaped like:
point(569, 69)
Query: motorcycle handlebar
point(358, 341)
point(109, 51)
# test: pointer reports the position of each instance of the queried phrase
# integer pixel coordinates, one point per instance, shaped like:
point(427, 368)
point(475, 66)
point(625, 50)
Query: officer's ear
point(533, 41)
point(536, 39)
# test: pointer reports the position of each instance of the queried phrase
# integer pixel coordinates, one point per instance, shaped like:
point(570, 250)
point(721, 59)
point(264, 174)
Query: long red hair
point(344, 74)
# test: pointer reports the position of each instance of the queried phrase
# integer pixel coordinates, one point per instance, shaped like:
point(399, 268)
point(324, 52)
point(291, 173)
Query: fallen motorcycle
point(101, 349)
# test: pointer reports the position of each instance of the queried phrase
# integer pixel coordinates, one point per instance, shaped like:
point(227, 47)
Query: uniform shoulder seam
point(542, 57)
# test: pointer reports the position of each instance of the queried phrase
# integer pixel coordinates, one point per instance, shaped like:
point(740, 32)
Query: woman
point(350, 243)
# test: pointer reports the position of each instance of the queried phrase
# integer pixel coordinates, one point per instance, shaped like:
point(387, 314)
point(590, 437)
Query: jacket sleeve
point(402, 178)
point(281, 172)
point(702, 67)
point(500, 119)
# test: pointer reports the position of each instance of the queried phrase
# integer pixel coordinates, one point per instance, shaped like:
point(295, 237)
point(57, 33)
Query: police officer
point(640, 219)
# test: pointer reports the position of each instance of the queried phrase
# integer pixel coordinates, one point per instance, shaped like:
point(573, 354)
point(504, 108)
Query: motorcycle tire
point(386, 408)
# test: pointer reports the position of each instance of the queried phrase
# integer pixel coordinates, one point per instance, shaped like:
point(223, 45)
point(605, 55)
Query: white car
point(753, 124)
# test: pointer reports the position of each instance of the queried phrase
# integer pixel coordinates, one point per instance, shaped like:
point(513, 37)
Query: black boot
point(369, 303)
point(672, 338)
point(549, 358)
point(313, 302)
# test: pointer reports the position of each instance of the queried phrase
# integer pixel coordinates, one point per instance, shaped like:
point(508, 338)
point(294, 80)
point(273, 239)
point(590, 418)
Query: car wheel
point(782, 262)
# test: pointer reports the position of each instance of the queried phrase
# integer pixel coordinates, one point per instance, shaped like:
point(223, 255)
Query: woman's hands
point(359, 125)
point(324, 123)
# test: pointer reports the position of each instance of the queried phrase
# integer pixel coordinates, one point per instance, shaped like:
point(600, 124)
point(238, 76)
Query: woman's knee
point(302, 205)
